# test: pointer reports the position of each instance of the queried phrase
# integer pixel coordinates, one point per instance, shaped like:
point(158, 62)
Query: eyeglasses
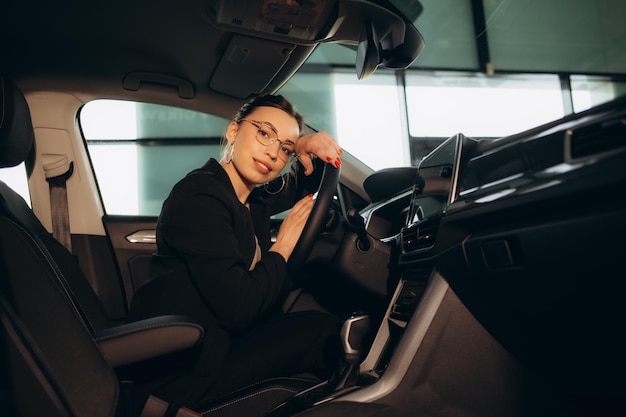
point(267, 136)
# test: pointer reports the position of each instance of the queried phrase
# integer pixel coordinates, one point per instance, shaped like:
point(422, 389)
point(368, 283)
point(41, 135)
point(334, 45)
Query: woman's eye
point(286, 150)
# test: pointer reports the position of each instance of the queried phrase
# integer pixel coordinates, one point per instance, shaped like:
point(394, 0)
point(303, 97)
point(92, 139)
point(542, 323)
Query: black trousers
point(284, 345)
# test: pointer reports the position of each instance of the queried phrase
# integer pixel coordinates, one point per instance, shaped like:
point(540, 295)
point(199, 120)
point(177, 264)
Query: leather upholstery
point(16, 131)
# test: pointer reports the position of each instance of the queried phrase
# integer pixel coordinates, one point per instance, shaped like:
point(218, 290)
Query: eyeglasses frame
point(258, 124)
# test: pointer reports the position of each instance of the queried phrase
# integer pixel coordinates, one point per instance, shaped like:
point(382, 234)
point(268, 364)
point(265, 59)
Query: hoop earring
point(229, 152)
point(282, 186)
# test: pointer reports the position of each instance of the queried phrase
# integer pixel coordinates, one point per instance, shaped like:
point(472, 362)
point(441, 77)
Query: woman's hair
point(269, 100)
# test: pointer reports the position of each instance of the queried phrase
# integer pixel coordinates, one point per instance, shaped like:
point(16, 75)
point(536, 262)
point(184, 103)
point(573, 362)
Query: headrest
point(16, 127)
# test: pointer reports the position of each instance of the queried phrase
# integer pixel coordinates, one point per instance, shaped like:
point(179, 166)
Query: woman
point(215, 260)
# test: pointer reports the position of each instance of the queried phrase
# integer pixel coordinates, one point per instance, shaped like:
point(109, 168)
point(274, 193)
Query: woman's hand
point(292, 226)
point(320, 144)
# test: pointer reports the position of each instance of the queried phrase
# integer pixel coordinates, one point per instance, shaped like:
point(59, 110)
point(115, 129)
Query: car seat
point(62, 348)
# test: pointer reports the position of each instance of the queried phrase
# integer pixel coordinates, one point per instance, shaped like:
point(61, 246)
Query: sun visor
point(249, 65)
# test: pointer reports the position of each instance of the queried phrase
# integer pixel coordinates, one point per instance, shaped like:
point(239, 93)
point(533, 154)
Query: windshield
point(489, 69)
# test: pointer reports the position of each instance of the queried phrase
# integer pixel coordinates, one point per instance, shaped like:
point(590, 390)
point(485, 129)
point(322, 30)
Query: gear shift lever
point(353, 334)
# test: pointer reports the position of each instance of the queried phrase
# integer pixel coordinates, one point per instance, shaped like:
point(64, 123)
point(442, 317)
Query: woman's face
point(254, 157)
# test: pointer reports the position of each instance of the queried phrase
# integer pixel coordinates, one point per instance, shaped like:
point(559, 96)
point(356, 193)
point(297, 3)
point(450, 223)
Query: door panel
point(133, 242)
point(99, 266)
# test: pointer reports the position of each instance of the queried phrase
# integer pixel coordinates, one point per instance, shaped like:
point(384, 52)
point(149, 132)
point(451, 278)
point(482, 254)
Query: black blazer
point(206, 242)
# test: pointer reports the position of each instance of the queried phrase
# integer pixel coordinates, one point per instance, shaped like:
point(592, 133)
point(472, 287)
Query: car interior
point(482, 281)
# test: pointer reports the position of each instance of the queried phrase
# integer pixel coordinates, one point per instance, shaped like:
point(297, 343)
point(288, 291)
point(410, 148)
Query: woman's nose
point(272, 150)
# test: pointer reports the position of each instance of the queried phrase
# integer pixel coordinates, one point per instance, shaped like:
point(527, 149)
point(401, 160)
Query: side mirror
point(368, 53)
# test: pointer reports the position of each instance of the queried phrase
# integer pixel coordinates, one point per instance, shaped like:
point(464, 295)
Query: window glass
point(589, 91)
point(370, 123)
point(560, 36)
point(574, 36)
point(15, 178)
point(446, 26)
point(363, 115)
point(116, 119)
point(332, 53)
point(139, 151)
point(132, 145)
point(441, 105)
point(313, 96)
point(448, 30)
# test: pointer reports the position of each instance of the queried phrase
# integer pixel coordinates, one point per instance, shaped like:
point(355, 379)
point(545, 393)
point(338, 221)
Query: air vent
point(598, 138)
point(420, 236)
point(237, 21)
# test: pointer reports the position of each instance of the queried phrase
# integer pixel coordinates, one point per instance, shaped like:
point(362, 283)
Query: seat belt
point(57, 172)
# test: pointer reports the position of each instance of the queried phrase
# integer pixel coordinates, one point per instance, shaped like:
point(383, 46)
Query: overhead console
point(270, 34)
point(288, 21)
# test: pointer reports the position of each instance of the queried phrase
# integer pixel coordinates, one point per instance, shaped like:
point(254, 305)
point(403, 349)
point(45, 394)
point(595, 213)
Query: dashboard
point(410, 202)
point(464, 175)
point(528, 232)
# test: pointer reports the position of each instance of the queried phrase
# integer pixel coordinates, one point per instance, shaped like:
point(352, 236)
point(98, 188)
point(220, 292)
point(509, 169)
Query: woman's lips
point(262, 166)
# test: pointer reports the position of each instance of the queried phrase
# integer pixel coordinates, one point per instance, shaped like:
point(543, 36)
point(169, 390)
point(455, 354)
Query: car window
point(385, 121)
point(481, 106)
point(15, 177)
point(365, 116)
point(589, 90)
point(131, 146)
point(390, 120)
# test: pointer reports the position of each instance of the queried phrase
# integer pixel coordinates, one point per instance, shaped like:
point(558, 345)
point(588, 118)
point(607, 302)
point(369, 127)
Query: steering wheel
point(316, 220)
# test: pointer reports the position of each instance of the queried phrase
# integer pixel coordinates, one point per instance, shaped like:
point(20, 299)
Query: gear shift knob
point(353, 334)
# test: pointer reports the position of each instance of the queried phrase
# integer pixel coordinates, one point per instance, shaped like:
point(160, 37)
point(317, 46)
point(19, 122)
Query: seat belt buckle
point(154, 407)
point(185, 412)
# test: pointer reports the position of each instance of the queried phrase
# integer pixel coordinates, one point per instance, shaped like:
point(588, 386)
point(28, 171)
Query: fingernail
point(337, 163)
point(310, 196)
point(328, 159)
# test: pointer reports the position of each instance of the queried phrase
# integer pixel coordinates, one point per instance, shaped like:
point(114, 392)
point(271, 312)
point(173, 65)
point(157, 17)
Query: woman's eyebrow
point(271, 127)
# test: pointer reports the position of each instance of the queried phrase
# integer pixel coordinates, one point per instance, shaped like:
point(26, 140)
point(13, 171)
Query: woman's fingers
point(292, 227)
point(320, 144)
point(295, 220)
point(307, 163)
point(302, 208)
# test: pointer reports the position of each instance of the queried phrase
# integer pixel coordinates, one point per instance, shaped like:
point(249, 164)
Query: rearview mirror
point(368, 52)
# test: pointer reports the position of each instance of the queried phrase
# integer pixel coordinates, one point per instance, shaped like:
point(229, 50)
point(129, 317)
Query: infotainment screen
point(437, 179)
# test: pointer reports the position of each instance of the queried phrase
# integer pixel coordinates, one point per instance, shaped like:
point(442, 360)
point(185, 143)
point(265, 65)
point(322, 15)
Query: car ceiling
point(169, 49)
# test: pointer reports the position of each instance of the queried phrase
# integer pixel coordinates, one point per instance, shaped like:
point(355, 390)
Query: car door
point(138, 151)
